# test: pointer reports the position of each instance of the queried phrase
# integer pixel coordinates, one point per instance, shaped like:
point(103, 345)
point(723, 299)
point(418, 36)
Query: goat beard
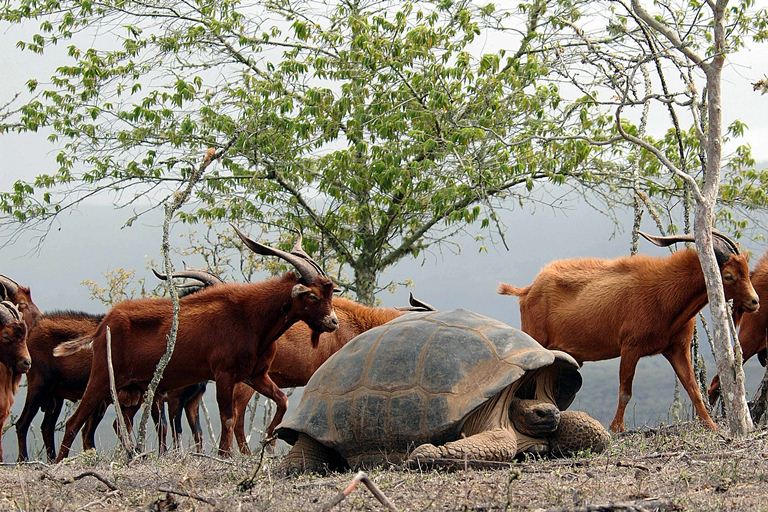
point(315, 338)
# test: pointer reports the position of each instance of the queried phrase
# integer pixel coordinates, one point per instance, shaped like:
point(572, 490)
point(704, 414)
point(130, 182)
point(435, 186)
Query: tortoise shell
point(415, 380)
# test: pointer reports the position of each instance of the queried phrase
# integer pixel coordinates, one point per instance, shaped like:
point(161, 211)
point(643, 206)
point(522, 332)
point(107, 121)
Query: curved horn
point(416, 305)
point(10, 313)
point(413, 301)
point(298, 250)
point(727, 241)
point(305, 267)
point(10, 287)
point(666, 241)
point(204, 277)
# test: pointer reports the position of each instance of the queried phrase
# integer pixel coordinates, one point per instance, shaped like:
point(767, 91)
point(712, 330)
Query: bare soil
point(681, 467)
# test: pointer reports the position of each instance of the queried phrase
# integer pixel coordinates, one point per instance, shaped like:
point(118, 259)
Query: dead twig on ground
point(645, 505)
point(25, 463)
point(623, 464)
point(100, 501)
point(188, 495)
point(361, 476)
point(211, 457)
point(73, 479)
point(247, 483)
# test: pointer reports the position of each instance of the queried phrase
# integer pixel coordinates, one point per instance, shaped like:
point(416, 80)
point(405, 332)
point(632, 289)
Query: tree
point(679, 51)
point(376, 129)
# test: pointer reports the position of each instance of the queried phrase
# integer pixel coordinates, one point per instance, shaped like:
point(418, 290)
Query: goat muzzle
point(329, 323)
point(752, 305)
point(23, 365)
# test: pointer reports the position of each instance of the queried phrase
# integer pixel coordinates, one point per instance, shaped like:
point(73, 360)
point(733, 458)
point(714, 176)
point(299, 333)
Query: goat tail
point(73, 346)
point(508, 289)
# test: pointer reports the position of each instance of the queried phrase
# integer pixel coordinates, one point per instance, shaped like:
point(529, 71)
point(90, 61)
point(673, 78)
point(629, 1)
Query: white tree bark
point(729, 368)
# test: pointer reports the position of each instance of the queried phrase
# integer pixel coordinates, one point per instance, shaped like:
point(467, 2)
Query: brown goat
point(14, 359)
point(51, 380)
point(294, 363)
point(226, 333)
point(630, 307)
point(753, 327)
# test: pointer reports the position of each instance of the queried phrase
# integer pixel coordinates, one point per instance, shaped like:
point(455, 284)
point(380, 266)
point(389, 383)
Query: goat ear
point(299, 289)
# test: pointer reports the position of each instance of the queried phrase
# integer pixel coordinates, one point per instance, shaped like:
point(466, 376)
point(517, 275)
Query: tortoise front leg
point(577, 432)
point(309, 456)
point(498, 445)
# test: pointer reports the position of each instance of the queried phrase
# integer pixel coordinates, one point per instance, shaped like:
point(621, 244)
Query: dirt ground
point(670, 468)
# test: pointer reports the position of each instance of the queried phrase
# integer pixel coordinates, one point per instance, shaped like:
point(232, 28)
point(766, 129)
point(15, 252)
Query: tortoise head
point(535, 418)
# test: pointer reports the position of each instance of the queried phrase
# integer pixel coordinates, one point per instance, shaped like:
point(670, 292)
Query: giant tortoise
point(438, 385)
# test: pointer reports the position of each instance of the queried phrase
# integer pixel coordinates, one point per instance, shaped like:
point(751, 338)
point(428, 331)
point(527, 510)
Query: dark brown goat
point(630, 307)
point(753, 327)
point(51, 380)
point(14, 359)
point(226, 334)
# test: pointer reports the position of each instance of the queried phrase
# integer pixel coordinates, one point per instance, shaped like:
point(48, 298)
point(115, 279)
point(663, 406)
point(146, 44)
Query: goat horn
point(10, 287)
point(413, 301)
point(727, 241)
point(298, 250)
point(305, 266)
point(204, 277)
point(666, 241)
point(10, 313)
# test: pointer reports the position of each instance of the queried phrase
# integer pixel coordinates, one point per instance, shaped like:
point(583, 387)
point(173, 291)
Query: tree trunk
point(730, 370)
point(365, 284)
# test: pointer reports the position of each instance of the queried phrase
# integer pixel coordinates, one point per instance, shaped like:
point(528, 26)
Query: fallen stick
point(646, 505)
point(187, 495)
point(66, 481)
point(247, 483)
point(206, 456)
point(359, 477)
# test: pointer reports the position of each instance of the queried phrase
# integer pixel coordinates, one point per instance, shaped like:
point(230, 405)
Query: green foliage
point(376, 130)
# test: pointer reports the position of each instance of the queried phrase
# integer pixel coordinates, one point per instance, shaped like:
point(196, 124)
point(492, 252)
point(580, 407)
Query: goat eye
point(729, 278)
point(314, 298)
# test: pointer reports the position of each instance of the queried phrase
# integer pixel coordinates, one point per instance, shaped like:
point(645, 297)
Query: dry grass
point(683, 465)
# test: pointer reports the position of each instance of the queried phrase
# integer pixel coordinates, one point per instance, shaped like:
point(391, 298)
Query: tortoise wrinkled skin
point(415, 381)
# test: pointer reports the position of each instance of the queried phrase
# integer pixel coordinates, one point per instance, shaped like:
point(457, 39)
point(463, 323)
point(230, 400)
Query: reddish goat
point(14, 359)
point(753, 328)
point(294, 363)
point(226, 333)
point(630, 307)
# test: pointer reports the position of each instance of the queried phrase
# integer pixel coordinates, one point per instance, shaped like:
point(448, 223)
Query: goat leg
point(627, 366)
point(263, 384)
point(242, 396)
point(224, 389)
